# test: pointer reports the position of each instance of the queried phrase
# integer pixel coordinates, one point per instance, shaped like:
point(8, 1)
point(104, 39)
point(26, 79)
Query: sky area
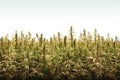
point(52, 16)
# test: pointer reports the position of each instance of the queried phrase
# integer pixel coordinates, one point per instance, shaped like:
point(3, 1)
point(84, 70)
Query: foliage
point(89, 57)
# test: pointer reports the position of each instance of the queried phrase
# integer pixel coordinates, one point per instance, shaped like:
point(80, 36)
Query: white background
point(53, 17)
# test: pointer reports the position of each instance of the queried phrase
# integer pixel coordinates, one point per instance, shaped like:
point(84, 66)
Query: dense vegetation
point(89, 57)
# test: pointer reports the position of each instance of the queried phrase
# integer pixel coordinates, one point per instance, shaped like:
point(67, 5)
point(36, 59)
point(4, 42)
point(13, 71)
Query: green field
point(88, 57)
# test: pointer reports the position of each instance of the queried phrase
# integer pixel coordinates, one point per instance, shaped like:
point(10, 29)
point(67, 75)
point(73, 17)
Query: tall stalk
point(71, 36)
